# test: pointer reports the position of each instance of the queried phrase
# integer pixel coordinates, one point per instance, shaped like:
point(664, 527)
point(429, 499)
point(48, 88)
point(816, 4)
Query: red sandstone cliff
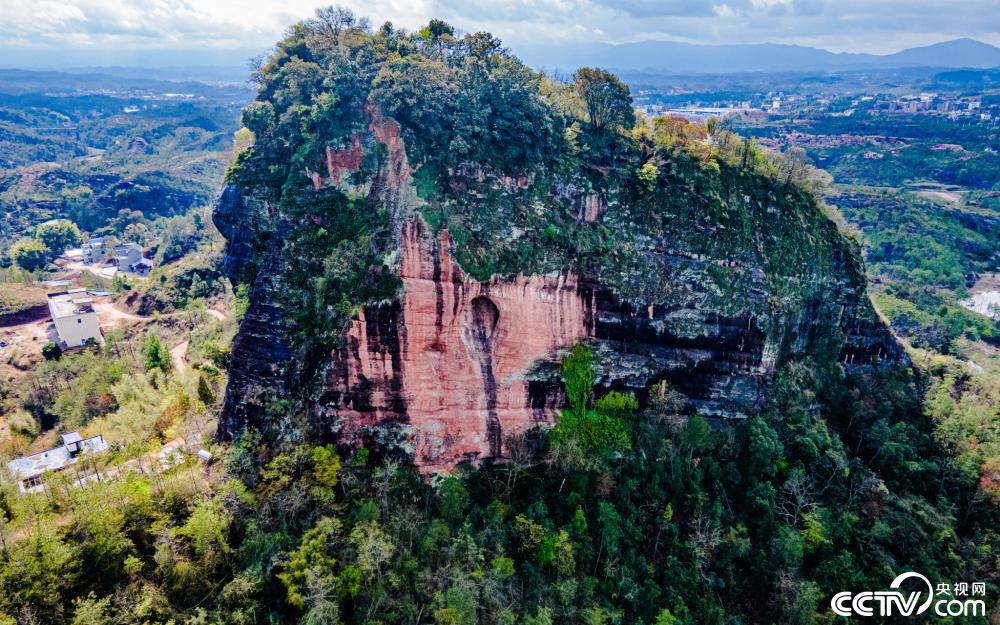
point(452, 360)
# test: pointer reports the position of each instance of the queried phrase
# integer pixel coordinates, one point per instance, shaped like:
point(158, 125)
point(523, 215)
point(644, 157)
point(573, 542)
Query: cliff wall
point(711, 280)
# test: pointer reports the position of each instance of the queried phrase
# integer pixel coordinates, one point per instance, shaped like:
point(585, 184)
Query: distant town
point(947, 105)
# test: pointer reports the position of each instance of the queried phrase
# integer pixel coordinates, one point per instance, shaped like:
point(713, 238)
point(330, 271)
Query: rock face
point(459, 365)
point(452, 366)
point(451, 361)
point(260, 350)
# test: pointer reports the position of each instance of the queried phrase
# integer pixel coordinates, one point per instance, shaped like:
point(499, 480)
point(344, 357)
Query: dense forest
point(631, 509)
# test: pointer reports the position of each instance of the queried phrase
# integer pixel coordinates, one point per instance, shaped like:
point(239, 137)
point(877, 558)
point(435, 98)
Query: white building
point(127, 254)
point(30, 470)
point(74, 316)
point(129, 258)
point(94, 250)
point(142, 267)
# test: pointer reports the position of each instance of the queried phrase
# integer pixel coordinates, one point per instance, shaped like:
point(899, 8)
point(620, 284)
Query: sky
point(206, 32)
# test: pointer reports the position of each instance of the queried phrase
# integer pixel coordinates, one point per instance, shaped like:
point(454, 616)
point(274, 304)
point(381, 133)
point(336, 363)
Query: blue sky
point(102, 32)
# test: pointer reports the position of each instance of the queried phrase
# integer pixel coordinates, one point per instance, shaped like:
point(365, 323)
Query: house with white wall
point(74, 317)
point(94, 250)
point(30, 471)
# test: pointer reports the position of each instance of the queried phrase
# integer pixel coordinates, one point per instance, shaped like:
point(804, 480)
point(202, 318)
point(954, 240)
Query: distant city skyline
point(172, 32)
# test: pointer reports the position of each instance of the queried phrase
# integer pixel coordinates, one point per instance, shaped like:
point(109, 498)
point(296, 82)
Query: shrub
point(52, 351)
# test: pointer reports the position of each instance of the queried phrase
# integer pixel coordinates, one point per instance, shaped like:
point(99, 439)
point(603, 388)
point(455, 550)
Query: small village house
point(127, 254)
point(129, 258)
point(94, 250)
point(74, 317)
point(141, 267)
point(30, 471)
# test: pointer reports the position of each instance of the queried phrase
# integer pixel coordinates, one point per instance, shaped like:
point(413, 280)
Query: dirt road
point(109, 314)
point(178, 353)
point(101, 272)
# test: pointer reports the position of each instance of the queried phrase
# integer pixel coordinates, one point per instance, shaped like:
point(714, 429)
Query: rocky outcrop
point(453, 366)
point(246, 224)
point(260, 352)
point(458, 365)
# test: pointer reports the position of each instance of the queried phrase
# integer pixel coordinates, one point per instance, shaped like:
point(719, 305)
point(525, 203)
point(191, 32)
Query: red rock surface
point(387, 132)
point(344, 160)
point(594, 207)
point(455, 368)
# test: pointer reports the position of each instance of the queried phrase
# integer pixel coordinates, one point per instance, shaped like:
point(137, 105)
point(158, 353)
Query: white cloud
point(724, 10)
point(862, 25)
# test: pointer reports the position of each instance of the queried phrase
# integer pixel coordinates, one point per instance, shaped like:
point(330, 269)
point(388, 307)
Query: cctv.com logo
point(947, 600)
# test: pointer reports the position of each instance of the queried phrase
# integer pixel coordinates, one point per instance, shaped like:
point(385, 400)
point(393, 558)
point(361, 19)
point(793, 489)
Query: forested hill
point(494, 218)
point(510, 355)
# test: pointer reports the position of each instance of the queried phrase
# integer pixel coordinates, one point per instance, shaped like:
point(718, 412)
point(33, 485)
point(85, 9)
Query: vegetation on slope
point(67, 152)
point(759, 522)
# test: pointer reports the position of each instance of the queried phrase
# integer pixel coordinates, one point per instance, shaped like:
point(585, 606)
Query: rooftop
point(70, 303)
point(56, 458)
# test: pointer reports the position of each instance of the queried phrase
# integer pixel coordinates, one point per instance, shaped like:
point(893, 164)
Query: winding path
point(178, 353)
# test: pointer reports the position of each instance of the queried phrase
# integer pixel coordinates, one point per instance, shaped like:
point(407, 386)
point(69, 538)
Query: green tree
point(604, 428)
point(609, 103)
point(34, 570)
point(457, 608)
point(58, 234)
point(119, 283)
point(438, 34)
point(207, 528)
point(30, 254)
point(199, 288)
point(696, 434)
point(453, 498)
point(205, 393)
point(313, 558)
point(556, 550)
point(374, 548)
point(241, 300)
point(90, 610)
point(157, 354)
point(326, 465)
point(578, 378)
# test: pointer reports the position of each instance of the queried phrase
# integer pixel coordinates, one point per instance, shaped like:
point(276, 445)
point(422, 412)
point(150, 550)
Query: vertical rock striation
point(450, 362)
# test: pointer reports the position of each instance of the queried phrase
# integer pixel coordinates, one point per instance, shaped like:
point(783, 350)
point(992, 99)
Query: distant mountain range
point(684, 58)
point(656, 57)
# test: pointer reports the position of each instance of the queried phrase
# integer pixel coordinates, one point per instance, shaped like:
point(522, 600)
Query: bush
point(58, 234)
point(52, 351)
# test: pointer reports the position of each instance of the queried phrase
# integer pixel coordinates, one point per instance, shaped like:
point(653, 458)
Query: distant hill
point(685, 58)
point(119, 82)
point(955, 53)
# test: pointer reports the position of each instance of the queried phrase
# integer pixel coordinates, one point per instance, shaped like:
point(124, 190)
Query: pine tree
point(157, 355)
point(205, 393)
